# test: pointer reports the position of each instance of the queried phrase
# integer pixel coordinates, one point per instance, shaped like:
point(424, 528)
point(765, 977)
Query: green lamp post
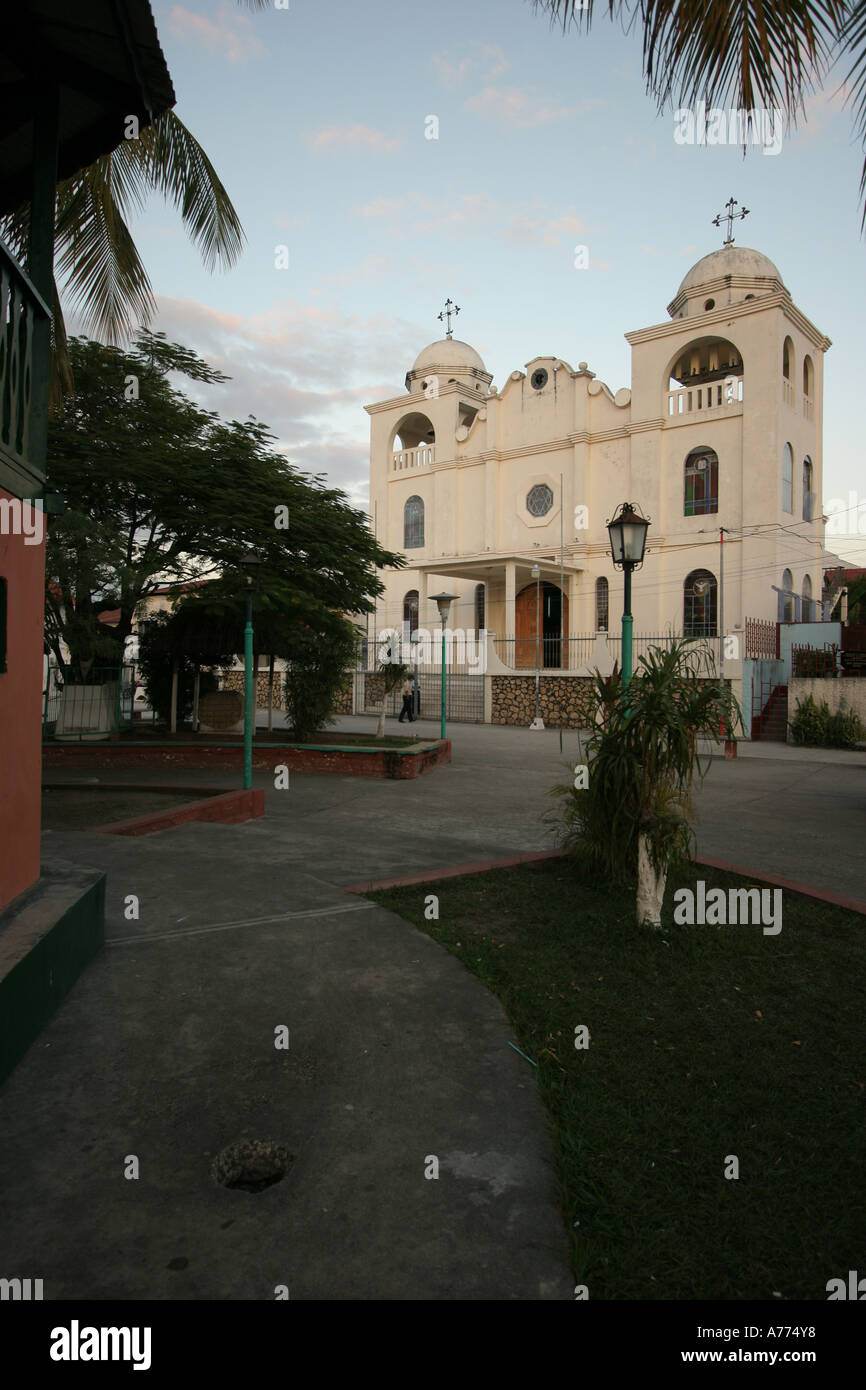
point(250, 565)
point(627, 533)
point(443, 602)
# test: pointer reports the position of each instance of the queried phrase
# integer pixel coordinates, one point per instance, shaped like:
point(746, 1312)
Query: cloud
point(486, 59)
point(305, 370)
point(416, 214)
point(372, 268)
point(820, 108)
point(354, 137)
point(516, 107)
point(231, 34)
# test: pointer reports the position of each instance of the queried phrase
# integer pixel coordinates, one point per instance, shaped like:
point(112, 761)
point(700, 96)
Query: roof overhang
point(487, 566)
point(104, 59)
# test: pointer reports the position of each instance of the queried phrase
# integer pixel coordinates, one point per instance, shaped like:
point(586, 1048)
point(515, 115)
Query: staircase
point(772, 722)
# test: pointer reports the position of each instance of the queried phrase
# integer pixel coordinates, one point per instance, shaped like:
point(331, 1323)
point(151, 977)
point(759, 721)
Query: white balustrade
point(420, 457)
point(687, 400)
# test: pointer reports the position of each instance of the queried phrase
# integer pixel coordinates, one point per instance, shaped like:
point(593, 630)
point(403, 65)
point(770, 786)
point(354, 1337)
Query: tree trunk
point(650, 888)
point(270, 694)
point(380, 732)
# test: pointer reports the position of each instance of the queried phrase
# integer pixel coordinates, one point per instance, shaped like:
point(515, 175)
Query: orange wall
point(23, 567)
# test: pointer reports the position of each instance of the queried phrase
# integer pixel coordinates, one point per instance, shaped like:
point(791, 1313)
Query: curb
point(461, 870)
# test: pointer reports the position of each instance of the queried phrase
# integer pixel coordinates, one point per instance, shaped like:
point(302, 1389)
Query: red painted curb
point(227, 808)
point(806, 891)
point(834, 899)
point(373, 885)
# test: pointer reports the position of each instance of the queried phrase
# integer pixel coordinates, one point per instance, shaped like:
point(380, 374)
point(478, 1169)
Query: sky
point(316, 118)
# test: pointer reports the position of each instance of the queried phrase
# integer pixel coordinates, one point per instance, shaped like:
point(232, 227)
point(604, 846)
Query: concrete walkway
point(165, 1048)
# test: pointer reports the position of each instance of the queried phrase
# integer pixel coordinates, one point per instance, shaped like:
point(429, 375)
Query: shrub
point(317, 668)
point(844, 729)
point(809, 725)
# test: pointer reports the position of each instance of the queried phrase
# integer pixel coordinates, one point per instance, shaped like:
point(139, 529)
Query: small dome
point(730, 260)
point(448, 354)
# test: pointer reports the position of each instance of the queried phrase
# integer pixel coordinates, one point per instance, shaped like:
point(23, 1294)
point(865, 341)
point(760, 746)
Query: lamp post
point(537, 722)
point(251, 575)
point(443, 602)
point(627, 533)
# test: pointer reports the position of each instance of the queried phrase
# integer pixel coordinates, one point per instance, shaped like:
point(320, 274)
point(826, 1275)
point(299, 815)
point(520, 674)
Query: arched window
point(701, 483)
point(808, 377)
point(787, 359)
point(788, 479)
point(807, 599)
point(786, 598)
point(808, 498)
point(601, 604)
point(700, 604)
point(413, 524)
point(480, 597)
point(410, 609)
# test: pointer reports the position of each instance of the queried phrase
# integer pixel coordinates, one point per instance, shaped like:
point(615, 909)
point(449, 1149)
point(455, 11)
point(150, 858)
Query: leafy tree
point(633, 817)
point(158, 655)
point(207, 629)
point(745, 53)
point(158, 489)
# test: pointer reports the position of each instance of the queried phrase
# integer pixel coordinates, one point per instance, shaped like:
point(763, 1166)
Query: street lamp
point(538, 722)
point(627, 533)
point(250, 565)
point(443, 602)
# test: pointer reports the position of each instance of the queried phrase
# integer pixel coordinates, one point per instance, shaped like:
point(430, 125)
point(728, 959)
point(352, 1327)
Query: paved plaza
point(165, 1048)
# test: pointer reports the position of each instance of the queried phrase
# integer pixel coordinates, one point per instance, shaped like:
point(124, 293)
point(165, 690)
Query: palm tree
point(95, 254)
point(632, 819)
point(743, 53)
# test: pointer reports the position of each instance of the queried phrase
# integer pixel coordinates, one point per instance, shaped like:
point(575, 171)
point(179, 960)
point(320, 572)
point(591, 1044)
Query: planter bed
point(349, 760)
point(162, 806)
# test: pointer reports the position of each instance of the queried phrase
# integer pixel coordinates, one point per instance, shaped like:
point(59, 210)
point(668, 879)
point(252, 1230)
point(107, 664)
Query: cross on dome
point(445, 316)
point(731, 217)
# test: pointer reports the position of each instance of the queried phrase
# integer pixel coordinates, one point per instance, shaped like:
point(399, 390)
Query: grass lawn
point(705, 1042)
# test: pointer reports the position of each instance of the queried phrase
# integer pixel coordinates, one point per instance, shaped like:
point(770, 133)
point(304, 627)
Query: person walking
point(408, 699)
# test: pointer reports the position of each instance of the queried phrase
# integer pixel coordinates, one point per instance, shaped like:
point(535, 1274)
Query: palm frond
point(97, 257)
point(168, 159)
point(852, 44)
point(746, 53)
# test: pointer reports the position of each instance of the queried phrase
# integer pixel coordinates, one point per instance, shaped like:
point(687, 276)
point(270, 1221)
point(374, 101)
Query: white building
point(720, 428)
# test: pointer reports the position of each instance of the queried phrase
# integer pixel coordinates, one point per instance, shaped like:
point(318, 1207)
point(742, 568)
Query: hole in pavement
point(252, 1165)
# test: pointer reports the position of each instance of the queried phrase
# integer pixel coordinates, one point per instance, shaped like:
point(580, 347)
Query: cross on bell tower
point(730, 217)
point(445, 316)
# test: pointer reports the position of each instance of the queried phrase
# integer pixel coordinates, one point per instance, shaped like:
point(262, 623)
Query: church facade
point(501, 497)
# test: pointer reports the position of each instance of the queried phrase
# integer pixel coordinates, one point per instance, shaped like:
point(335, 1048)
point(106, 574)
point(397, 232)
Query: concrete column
point(510, 601)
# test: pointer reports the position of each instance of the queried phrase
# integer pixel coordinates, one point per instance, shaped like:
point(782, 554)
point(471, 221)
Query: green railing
point(23, 380)
point(90, 710)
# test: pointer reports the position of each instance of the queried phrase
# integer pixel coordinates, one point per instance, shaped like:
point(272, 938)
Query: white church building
point(717, 441)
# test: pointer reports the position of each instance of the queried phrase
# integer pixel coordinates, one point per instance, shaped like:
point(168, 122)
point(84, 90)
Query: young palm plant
point(390, 676)
point(633, 819)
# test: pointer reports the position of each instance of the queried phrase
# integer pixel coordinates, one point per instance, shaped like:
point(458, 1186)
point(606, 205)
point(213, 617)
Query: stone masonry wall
point(564, 700)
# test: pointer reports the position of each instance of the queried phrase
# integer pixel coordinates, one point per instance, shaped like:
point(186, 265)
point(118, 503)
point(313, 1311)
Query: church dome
point(448, 354)
point(739, 266)
point(730, 260)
